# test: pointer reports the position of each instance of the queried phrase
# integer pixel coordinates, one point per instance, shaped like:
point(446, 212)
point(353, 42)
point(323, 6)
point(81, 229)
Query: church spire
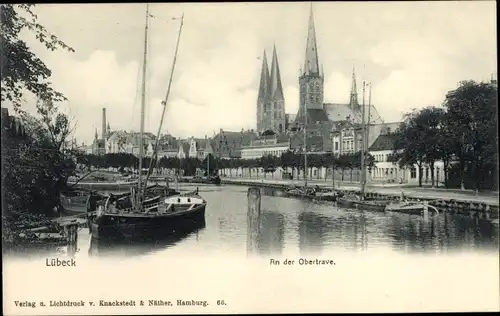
point(95, 136)
point(311, 64)
point(264, 81)
point(276, 89)
point(353, 102)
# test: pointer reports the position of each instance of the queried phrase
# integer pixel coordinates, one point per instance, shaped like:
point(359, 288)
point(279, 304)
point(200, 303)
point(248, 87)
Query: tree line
point(287, 160)
point(462, 133)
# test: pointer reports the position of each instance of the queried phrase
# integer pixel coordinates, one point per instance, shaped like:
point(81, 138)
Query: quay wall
point(473, 205)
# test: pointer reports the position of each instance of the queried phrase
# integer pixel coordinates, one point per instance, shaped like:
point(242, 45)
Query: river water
point(307, 227)
point(383, 263)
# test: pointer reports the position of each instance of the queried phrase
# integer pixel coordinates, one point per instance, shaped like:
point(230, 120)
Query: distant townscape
point(331, 128)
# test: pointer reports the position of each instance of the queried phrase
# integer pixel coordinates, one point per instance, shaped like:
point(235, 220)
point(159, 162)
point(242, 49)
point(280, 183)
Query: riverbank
point(491, 199)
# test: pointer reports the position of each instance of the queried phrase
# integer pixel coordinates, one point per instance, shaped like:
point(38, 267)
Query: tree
point(268, 163)
point(287, 160)
point(38, 170)
point(329, 161)
point(473, 121)
point(209, 164)
point(409, 147)
point(445, 144)
point(21, 69)
point(429, 121)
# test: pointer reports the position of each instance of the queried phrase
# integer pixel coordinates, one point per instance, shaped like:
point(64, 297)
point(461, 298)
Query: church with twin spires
point(320, 117)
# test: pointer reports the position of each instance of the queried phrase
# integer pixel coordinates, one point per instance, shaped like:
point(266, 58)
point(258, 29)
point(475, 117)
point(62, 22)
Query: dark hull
point(216, 181)
point(377, 206)
point(417, 209)
point(140, 246)
point(345, 202)
point(329, 197)
point(300, 195)
point(116, 226)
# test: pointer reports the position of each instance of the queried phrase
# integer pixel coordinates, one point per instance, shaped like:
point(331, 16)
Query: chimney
point(103, 123)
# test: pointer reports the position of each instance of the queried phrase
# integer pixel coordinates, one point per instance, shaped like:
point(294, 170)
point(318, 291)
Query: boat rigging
point(154, 157)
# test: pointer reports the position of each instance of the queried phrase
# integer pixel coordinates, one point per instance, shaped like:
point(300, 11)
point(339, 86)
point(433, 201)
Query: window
point(413, 173)
point(336, 145)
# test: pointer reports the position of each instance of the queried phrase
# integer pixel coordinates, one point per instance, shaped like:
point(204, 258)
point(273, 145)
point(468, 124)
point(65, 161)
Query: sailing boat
point(211, 179)
point(305, 192)
point(142, 213)
point(361, 201)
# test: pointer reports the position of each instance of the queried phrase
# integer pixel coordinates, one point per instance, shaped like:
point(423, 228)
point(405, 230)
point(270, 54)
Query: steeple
point(96, 135)
point(311, 64)
point(264, 92)
point(276, 89)
point(353, 102)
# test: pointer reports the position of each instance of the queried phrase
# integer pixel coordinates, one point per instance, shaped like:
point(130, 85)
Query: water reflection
point(312, 231)
point(106, 247)
point(271, 236)
point(287, 224)
point(440, 233)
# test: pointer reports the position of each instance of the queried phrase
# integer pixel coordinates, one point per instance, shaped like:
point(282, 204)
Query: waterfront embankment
point(443, 198)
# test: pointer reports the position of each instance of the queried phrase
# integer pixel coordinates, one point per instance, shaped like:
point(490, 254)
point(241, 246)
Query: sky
point(411, 52)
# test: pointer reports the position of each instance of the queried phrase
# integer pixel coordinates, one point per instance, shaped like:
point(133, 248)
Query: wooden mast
point(143, 105)
point(306, 173)
point(208, 165)
point(164, 104)
point(367, 143)
point(363, 140)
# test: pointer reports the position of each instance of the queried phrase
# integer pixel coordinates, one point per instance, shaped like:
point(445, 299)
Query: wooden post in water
point(426, 210)
point(72, 233)
point(253, 218)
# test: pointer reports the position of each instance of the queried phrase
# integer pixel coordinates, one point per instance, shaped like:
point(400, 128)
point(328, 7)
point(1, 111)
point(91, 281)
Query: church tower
point(277, 110)
point(264, 96)
point(311, 78)
point(353, 100)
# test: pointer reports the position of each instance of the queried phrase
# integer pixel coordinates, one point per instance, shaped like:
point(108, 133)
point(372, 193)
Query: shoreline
point(450, 202)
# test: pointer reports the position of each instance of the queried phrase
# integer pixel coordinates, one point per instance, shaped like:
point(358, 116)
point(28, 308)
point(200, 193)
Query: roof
point(317, 115)
point(340, 112)
point(314, 141)
point(311, 63)
point(383, 142)
point(201, 143)
point(228, 144)
point(269, 140)
point(375, 117)
point(185, 146)
point(132, 137)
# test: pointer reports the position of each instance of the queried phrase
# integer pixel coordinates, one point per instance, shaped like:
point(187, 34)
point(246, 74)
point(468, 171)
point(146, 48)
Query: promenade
point(389, 189)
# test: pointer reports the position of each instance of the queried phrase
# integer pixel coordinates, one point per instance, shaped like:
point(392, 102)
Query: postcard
point(273, 157)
